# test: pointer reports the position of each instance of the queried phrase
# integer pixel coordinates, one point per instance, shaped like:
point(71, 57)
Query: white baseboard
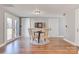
point(55, 36)
point(73, 43)
point(18, 37)
point(2, 44)
point(60, 36)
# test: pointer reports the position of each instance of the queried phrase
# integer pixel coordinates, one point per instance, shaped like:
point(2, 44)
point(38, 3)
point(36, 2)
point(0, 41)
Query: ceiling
point(46, 10)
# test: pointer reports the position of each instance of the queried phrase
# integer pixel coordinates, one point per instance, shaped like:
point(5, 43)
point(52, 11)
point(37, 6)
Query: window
point(9, 28)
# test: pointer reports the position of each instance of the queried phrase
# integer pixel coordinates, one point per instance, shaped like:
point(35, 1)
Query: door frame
point(5, 27)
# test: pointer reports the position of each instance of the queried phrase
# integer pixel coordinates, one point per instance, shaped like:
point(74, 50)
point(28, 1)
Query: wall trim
point(60, 36)
point(56, 37)
point(3, 44)
point(73, 43)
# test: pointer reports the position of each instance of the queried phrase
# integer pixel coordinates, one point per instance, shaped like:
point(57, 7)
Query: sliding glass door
point(10, 29)
point(14, 28)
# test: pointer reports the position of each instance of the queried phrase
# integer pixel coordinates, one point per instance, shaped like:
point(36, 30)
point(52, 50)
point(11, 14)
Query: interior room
point(39, 28)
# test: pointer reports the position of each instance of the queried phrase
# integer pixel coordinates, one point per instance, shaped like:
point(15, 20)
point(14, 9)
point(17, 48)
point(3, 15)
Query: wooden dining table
point(39, 33)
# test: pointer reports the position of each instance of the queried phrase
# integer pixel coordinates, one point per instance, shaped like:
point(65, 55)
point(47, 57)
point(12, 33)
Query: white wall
point(25, 26)
point(52, 25)
point(62, 26)
point(1, 25)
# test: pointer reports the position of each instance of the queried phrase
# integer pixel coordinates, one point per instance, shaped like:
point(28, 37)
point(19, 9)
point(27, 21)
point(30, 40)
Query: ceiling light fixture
point(36, 11)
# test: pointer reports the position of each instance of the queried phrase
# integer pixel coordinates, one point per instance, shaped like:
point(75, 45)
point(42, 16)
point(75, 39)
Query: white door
point(53, 27)
point(77, 27)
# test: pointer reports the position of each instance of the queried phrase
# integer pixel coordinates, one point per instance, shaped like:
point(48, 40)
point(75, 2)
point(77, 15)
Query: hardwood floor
point(23, 46)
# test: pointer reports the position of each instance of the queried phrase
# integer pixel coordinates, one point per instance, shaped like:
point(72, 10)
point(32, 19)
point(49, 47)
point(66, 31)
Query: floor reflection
point(23, 46)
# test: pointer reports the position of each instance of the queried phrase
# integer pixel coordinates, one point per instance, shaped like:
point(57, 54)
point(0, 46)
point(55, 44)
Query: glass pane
point(15, 28)
point(9, 28)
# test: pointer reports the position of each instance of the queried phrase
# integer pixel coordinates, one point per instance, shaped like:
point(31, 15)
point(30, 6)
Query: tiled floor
point(23, 46)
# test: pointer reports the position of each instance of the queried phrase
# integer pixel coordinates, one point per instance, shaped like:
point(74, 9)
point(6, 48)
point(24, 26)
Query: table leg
point(38, 37)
